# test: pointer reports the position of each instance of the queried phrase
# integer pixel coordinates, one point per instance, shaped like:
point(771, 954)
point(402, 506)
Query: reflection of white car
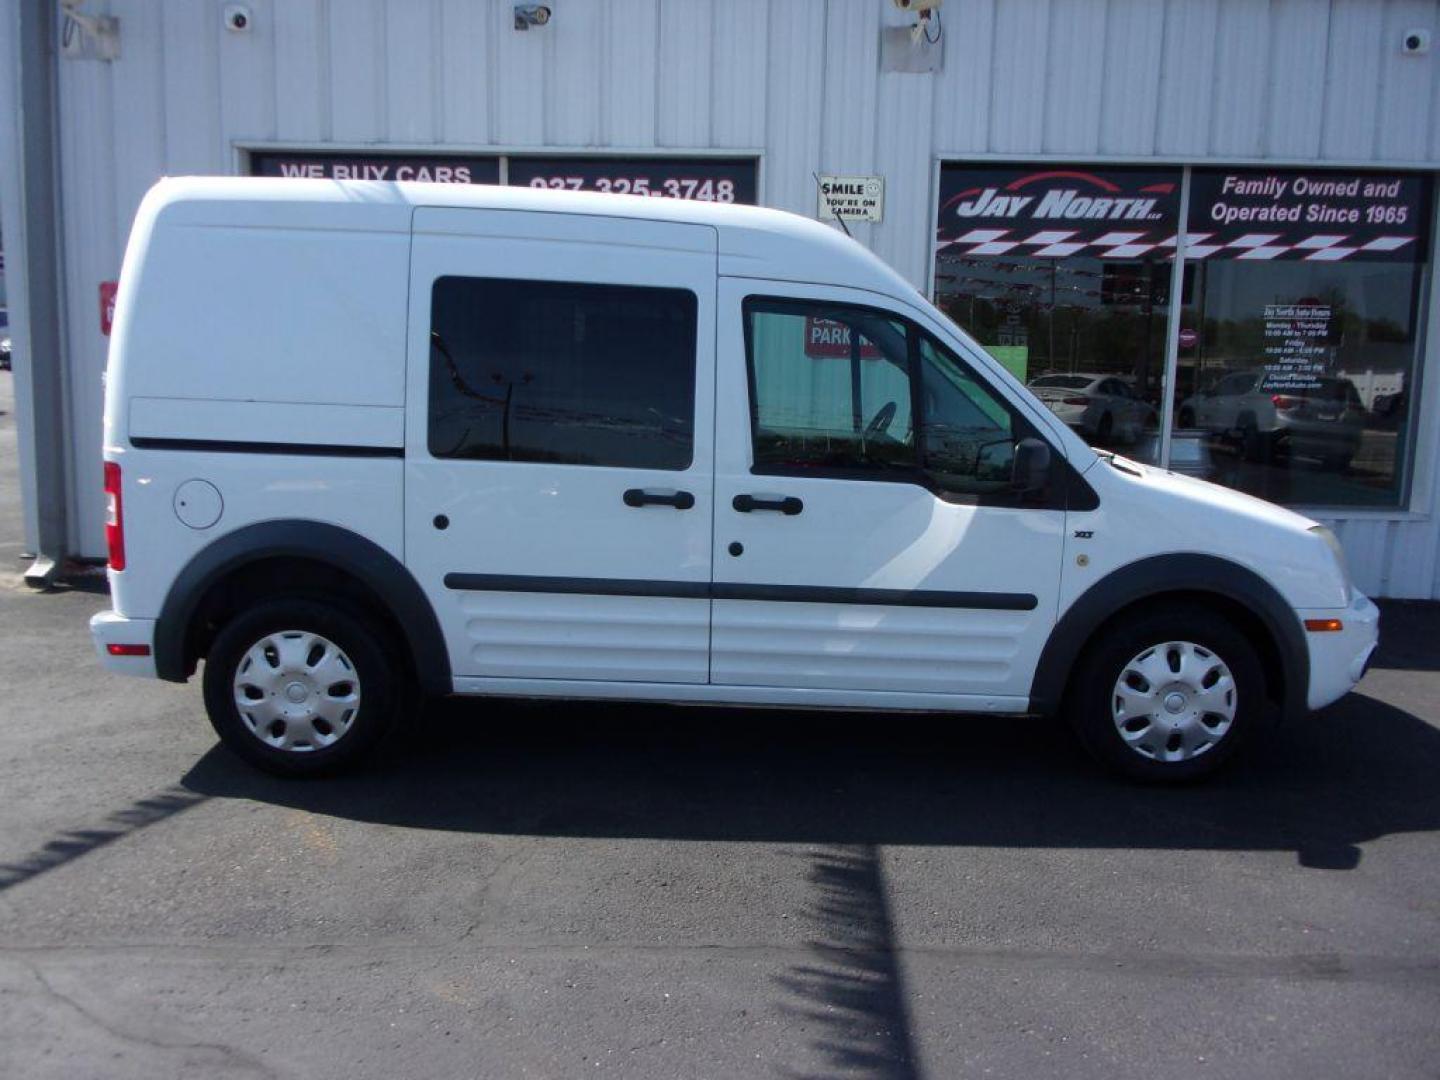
point(1101, 407)
point(1324, 420)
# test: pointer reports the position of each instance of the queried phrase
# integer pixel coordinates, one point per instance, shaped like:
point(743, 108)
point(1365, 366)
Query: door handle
point(680, 500)
point(788, 505)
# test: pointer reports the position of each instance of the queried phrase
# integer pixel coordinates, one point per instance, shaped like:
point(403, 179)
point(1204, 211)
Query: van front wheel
point(299, 687)
point(1169, 696)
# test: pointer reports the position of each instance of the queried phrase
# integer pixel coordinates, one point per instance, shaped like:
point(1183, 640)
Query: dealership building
point(1203, 231)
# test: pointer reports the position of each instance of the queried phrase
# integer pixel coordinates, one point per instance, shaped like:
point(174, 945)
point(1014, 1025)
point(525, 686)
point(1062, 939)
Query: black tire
point(1254, 446)
point(1090, 706)
point(362, 640)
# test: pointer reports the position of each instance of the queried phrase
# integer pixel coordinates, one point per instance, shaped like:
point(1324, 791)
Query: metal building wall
point(797, 81)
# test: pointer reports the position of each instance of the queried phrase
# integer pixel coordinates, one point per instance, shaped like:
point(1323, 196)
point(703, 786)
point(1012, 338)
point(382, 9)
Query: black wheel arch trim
point(371, 564)
point(1192, 573)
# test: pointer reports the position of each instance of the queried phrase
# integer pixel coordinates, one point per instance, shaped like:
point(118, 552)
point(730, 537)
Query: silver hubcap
point(297, 691)
point(1173, 701)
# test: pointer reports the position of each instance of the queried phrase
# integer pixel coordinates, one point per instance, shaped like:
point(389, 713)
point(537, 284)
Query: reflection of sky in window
point(1372, 290)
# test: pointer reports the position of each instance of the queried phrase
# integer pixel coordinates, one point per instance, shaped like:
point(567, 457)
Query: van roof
point(752, 241)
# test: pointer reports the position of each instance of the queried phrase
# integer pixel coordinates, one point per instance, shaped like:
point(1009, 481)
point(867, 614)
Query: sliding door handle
point(788, 505)
point(680, 500)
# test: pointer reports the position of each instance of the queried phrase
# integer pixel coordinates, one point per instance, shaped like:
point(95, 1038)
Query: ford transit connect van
point(362, 438)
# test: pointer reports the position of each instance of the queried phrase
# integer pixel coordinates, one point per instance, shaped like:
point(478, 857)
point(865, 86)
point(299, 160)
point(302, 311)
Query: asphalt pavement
point(560, 890)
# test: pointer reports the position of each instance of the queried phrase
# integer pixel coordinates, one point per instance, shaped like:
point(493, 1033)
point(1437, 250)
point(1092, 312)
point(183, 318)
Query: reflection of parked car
point(4, 340)
point(1101, 407)
point(1324, 419)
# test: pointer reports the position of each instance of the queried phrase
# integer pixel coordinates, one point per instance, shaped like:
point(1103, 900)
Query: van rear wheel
point(299, 687)
point(1168, 696)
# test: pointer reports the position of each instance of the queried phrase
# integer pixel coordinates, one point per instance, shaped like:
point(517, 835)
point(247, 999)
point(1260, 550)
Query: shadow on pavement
point(1409, 630)
point(848, 784)
point(1359, 770)
point(74, 843)
point(850, 994)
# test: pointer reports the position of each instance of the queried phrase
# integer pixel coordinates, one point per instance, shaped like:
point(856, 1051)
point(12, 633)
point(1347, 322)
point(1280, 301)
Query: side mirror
point(1032, 466)
point(995, 461)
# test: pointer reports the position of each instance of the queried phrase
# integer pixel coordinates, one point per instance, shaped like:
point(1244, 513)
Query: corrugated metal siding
point(797, 80)
point(1134, 42)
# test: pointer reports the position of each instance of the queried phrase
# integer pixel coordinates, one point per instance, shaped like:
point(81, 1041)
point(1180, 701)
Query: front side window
point(847, 391)
point(830, 388)
point(562, 372)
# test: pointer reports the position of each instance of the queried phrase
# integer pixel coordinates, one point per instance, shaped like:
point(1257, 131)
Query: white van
point(364, 437)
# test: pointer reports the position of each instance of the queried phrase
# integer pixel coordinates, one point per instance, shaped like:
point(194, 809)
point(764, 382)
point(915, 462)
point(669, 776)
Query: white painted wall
point(796, 80)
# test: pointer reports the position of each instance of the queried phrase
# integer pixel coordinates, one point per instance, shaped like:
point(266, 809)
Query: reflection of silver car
point(1324, 418)
point(1101, 407)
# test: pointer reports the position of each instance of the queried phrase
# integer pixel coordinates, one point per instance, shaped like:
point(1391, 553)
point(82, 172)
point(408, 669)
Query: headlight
point(1338, 553)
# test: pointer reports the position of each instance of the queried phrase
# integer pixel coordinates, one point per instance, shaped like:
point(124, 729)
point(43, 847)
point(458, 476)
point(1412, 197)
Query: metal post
point(1172, 325)
point(32, 255)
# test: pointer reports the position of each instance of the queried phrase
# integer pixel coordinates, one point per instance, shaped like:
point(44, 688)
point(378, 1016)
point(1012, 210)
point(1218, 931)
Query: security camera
point(1415, 43)
point(528, 15)
point(237, 18)
point(916, 6)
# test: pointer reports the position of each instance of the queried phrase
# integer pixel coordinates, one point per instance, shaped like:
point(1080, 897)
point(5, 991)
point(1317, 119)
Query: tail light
point(117, 649)
point(114, 516)
point(1075, 401)
point(1285, 403)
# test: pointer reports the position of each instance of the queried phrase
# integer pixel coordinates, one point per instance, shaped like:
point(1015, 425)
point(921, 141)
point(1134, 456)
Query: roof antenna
point(821, 188)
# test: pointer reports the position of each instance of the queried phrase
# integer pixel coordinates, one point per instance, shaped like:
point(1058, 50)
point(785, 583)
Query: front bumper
point(1317, 435)
point(1339, 658)
point(111, 628)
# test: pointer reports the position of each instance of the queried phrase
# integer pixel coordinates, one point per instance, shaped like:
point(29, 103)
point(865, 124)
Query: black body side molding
point(231, 446)
point(1167, 574)
point(340, 548)
point(720, 590)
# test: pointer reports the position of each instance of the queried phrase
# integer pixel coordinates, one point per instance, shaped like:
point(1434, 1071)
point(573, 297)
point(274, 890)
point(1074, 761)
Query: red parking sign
point(827, 338)
point(107, 305)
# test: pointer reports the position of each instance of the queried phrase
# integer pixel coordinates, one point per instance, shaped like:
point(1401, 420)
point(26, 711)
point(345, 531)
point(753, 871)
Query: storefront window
point(1299, 352)
point(1300, 314)
point(1063, 274)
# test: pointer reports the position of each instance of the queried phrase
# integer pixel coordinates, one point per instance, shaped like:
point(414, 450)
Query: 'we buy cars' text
point(315, 170)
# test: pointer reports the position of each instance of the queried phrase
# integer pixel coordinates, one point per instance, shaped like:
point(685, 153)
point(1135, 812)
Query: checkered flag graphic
point(1123, 244)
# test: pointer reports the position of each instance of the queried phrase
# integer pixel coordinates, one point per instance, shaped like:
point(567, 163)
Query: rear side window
point(562, 372)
